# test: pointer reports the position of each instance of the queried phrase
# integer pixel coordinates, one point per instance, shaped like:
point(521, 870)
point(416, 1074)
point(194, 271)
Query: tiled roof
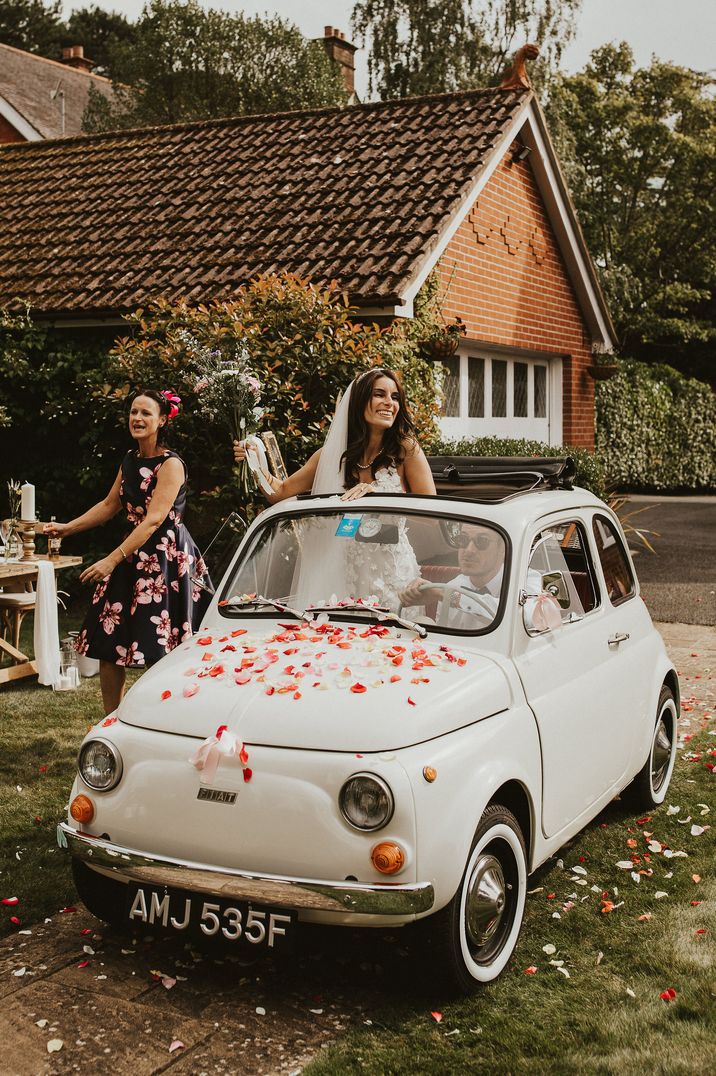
point(358, 194)
point(28, 81)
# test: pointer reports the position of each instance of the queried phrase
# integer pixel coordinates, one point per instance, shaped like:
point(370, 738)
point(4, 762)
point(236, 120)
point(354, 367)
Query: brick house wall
point(503, 274)
point(8, 132)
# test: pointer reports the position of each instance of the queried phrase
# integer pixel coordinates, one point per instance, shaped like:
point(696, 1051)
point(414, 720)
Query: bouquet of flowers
point(229, 393)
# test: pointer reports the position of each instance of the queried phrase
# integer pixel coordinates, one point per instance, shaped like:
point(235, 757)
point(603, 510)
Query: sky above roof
point(682, 32)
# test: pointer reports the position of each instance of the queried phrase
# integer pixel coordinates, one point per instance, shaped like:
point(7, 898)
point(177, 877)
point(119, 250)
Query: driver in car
point(481, 557)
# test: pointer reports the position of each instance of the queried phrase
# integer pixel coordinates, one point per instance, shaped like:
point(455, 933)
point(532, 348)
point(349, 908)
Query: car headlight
point(100, 765)
point(366, 802)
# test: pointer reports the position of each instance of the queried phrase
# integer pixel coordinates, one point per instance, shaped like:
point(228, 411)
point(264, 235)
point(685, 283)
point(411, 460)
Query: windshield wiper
point(379, 611)
point(258, 600)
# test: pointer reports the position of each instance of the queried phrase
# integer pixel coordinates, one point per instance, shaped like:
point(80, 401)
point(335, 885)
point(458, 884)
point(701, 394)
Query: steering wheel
point(446, 601)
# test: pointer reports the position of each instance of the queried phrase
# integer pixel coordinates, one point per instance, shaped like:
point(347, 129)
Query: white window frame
point(547, 429)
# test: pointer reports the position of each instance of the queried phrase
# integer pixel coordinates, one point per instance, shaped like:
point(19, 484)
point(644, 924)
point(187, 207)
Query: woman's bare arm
point(169, 481)
point(416, 469)
point(300, 481)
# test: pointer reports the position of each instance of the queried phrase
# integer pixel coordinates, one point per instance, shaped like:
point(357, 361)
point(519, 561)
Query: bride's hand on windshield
point(355, 492)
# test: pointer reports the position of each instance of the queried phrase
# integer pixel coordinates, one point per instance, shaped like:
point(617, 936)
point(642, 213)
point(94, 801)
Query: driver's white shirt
point(488, 596)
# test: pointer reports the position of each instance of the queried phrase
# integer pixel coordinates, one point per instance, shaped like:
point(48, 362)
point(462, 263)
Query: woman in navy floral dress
point(145, 601)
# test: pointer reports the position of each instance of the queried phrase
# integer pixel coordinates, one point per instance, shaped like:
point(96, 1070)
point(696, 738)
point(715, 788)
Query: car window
point(618, 574)
point(559, 561)
point(439, 571)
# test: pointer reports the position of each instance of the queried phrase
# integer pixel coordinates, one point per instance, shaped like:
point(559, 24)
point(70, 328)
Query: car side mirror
point(554, 584)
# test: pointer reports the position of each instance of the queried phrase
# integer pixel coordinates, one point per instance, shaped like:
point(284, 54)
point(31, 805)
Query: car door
point(573, 678)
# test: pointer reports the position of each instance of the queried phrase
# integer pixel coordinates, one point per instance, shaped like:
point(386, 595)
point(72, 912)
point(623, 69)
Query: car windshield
point(437, 571)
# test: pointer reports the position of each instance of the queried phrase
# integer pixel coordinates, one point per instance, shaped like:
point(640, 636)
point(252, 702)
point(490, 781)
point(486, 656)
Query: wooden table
point(17, 576)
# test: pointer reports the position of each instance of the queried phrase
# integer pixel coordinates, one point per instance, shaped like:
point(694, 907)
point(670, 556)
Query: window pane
point(451, 387)
point(540, 391)
point(615, 565)
point(476, 388)
point(499, 388)
point(560, 554)
point(519, 390)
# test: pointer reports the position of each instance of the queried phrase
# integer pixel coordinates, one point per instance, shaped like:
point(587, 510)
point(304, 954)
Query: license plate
point(208, 917)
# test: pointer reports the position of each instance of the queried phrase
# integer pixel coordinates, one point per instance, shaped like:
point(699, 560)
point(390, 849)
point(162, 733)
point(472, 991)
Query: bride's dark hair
point(392, 450)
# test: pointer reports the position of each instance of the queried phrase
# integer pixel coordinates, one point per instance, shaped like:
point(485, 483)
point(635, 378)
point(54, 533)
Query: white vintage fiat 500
point(396, 709)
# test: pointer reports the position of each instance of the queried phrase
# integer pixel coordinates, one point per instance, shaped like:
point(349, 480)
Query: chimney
point(74, 56)
point(340, 51)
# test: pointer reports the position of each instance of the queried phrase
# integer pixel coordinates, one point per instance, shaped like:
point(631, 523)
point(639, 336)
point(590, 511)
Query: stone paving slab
point(97, 1034)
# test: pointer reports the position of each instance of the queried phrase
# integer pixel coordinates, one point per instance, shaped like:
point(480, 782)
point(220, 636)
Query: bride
point(371, 447)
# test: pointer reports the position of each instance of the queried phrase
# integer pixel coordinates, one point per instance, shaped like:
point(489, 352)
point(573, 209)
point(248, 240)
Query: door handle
point(618, 637)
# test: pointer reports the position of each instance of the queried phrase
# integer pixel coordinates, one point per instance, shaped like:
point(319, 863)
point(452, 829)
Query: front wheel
point(649, 787)
point(473, 937)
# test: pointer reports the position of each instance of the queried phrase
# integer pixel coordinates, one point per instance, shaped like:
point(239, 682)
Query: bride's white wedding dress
point(382, 571)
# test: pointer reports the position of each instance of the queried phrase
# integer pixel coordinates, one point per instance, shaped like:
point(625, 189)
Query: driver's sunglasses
point(481, 542)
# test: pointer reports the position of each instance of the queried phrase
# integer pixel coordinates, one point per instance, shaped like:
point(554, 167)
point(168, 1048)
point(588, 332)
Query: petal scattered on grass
point(176, 1044)
point(54, 1045)
point(437, 1016)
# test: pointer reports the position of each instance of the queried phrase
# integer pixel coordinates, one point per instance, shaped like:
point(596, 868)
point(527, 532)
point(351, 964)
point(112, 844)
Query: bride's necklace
point(369, 464)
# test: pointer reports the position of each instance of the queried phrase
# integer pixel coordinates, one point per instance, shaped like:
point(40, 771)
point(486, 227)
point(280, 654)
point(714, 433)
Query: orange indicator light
point(82, 809)
point(388, 858)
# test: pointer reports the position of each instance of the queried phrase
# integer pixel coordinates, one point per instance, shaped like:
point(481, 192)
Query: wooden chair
point(14, 607)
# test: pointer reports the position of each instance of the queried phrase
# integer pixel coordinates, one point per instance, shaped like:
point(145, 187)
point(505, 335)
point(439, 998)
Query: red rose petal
point(531, 970)
point(206, 640)
point(437, 1016)
point(11, 901)
point(17, 922)
point(83, 964)
point(394, 679)
point(358, 689)
point(248, 774)
point(165, 695)
point(69, 908)
point(189, 690)
point(411, 702)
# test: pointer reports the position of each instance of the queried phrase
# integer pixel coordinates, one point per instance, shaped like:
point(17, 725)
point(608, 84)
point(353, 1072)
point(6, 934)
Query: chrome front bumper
point(388, 898)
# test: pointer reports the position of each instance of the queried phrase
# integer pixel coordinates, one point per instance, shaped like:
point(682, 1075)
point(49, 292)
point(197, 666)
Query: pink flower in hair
point(173, 401)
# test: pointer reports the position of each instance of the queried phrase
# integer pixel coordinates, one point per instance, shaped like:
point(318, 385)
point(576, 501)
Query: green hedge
point(590, 468)
point(656, 430)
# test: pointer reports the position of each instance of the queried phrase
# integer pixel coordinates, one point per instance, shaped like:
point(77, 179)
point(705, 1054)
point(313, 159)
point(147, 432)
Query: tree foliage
point(100, 32)
point(436, 46)
point(31, 25)
point(186, 62)
point(640, 145)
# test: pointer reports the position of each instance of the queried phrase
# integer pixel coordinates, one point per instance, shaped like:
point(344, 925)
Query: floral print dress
point(150, 603)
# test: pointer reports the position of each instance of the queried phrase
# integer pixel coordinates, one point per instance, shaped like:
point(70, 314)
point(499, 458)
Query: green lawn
point(604, 1016)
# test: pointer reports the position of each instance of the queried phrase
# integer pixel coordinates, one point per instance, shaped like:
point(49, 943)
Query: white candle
point(27, 502)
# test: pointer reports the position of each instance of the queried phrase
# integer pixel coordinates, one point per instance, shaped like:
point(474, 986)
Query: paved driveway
point(679, 581)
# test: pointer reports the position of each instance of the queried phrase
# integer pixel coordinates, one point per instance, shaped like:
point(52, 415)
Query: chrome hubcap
point(660, 755)
point(485, 901)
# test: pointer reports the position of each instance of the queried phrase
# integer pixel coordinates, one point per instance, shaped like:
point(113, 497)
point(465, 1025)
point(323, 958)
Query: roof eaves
point(607, 329)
